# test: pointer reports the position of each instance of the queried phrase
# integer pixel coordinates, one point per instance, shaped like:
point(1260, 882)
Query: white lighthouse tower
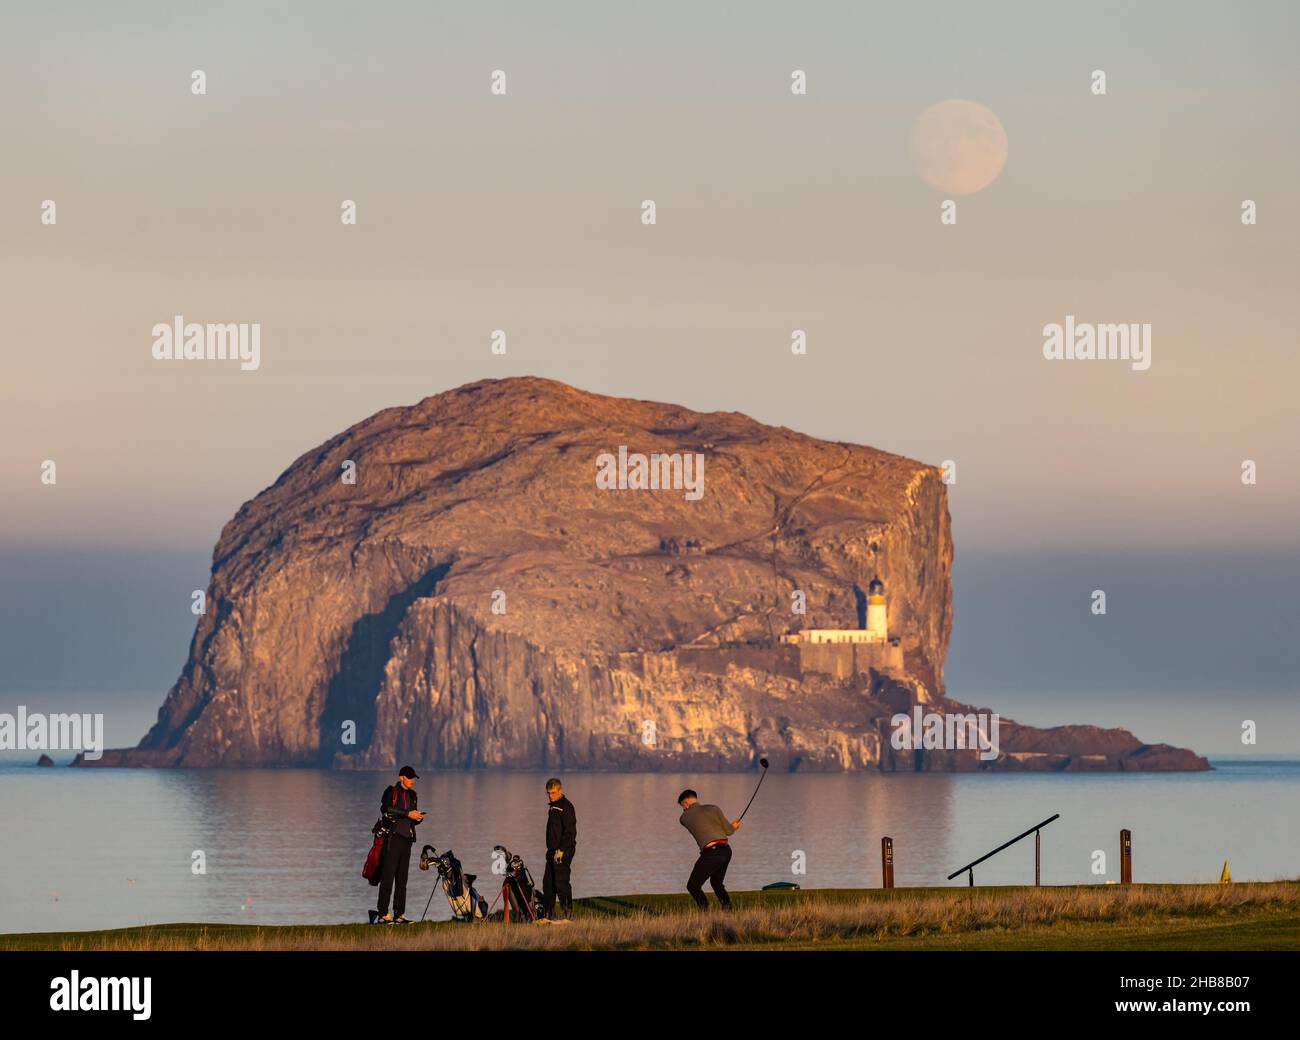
point(877, 620)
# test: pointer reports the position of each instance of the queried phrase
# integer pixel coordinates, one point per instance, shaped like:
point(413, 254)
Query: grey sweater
point(706, 823)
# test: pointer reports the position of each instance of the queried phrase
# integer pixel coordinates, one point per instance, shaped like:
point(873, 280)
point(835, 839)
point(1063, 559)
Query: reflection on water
point(107, 848)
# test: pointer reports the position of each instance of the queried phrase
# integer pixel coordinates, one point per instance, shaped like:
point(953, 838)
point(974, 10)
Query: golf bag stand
point(517, 889)
point(465, 902)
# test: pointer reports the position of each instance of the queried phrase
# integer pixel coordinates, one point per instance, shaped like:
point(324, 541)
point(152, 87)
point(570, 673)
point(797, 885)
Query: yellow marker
point(1225, 878)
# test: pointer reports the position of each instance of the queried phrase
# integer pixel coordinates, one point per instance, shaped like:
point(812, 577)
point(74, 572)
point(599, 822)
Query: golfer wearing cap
point(398, 807)
point(710, 828)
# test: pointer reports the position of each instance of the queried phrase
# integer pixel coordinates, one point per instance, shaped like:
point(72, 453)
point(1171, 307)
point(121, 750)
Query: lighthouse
point(877, 622)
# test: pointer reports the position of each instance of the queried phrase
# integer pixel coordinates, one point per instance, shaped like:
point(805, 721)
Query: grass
point(1250, 916)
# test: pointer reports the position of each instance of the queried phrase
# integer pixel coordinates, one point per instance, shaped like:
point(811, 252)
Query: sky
point(774, 212)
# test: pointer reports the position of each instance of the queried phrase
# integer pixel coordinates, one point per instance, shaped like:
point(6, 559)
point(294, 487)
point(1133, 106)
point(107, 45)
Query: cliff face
point(475, 600)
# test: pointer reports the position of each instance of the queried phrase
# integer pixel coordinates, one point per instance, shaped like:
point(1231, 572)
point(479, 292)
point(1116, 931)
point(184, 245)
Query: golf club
point(762, 762)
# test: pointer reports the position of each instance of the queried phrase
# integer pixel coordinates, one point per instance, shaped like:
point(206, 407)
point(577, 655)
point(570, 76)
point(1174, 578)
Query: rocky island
point(454, 584)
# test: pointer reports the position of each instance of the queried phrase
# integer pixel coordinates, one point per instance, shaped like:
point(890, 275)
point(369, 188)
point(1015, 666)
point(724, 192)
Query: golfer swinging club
point(710, 828)
point(398, 806)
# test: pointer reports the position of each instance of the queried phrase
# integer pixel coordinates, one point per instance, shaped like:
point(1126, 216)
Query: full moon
point(958, 147)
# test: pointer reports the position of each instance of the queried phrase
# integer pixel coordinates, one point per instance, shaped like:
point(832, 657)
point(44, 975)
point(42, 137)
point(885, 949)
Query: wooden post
point(970, 877)
point(1126, 857)
point(1038, 854)
point(887, 862)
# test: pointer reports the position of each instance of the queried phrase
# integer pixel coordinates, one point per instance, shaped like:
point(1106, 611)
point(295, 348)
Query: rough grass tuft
point(1237, 916)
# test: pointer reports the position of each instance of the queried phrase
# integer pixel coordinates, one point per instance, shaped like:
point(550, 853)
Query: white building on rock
point(876, 630)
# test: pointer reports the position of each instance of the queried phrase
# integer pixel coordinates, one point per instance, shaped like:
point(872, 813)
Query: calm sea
point(109, 848)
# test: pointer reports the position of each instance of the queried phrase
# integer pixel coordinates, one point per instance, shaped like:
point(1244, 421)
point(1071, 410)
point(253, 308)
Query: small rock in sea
point(45, 760)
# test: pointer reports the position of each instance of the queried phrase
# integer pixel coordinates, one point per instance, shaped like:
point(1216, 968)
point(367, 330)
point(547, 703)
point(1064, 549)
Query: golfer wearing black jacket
point(561, 843)
point(397, 805)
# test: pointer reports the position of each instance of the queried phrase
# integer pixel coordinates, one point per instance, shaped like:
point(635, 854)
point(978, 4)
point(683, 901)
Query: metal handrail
point(970, 867)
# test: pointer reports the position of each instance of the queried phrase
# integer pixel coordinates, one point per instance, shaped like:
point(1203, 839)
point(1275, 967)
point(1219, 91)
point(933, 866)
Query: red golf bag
point(374, 866)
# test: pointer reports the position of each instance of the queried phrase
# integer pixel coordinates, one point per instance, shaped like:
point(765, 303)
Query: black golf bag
point(466, 904)
point(524, 901)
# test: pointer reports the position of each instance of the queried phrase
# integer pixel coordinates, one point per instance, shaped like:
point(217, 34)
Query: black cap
point(409, 773)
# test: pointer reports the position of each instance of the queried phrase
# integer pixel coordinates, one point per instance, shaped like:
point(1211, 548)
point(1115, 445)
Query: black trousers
point(556, 885)
point(711, 867)
point(392, 879)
